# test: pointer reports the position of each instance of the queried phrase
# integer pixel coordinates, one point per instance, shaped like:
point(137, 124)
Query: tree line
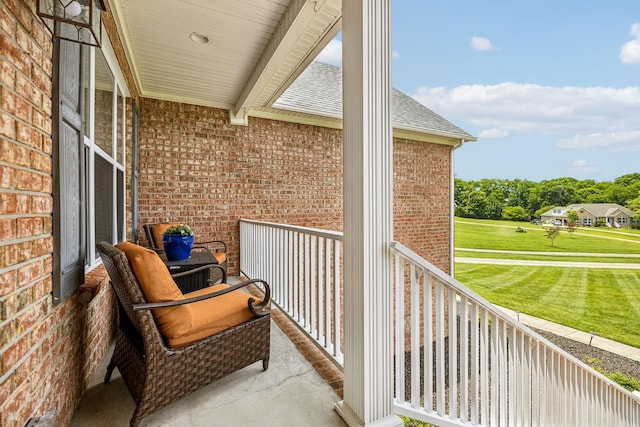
point(523, 200)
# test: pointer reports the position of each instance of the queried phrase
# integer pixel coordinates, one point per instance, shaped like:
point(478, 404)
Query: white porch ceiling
point(257, 47)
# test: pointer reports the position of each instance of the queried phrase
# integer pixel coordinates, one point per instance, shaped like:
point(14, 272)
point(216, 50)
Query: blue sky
point(550, 88)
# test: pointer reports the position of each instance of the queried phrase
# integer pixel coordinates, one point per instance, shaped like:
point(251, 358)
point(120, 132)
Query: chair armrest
point(202, 268)
point(255, 309)
point(220, 242)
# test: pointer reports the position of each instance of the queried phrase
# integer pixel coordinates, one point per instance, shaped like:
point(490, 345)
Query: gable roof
point(318, 92)
point(601, 209)
point(598, 210)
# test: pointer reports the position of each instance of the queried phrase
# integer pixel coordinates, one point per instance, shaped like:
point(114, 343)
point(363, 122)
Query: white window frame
point(118, 137)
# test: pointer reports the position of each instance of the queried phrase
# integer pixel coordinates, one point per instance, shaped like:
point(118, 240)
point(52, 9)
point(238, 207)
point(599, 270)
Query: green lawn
point(606, 301)
point(485, 234)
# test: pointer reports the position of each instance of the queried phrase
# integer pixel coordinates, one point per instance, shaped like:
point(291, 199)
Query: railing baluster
point(475, 366)
point(337, 335)
point(494, 370)
point(415, 336)
point(429, 314)
point(440, 349)
point(400, 330)
point(464, 358)
point(453, 352)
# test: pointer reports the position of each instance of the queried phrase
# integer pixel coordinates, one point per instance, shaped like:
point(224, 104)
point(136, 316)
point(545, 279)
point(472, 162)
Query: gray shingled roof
point(599, 210)
point(318, 91)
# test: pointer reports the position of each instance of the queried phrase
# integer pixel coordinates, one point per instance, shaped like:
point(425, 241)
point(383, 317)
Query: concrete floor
point(289, 394)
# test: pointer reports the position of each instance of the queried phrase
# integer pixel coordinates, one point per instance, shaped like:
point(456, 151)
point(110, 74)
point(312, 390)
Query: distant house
point(612, 214)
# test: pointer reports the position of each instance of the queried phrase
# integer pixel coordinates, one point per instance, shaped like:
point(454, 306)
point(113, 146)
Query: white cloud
point(630, 52)
point(615, 141)
point(562, 111)
point(582, 167)
point(481, 44)
point(332, 53)
point(493, 133)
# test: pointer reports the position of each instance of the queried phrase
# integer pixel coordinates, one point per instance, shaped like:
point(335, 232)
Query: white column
point(368, 214)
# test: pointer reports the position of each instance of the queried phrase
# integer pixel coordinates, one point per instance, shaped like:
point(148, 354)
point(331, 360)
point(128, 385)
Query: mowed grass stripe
point(605, 301)
point(500, 236)
point(497, 255)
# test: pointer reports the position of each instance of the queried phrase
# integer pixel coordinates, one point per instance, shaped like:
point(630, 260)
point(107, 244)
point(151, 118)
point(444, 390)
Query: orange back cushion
point(157, 230)
point(158, 286)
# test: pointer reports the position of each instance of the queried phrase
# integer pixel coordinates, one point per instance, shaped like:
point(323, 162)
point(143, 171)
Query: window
point(105, 151)
point(622, 220)
point(89, 157)
point(587, 221)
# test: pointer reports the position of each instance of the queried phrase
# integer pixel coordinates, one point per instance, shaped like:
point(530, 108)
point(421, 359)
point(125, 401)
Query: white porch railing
point(488, 369)
point(302, 265)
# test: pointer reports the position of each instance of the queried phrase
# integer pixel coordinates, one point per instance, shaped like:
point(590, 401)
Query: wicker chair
point(157, 374)
point(218, 248)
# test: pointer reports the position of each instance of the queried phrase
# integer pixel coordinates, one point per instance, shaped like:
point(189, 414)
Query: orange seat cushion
point(221, 257)
point(157, 230)
point(158, 286)
point(184, 324)
point(214, 315)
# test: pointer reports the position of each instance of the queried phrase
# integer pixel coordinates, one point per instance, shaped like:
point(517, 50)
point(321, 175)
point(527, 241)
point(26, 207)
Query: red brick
point(47, 184)
point(14, 353)
point(7, 125)
point(28, 135)
point(42, 247)
point(8, 282)
point(23, 203)
point(28, 227)
point(16, 105)
point(8, 255)
point(14, 153)
point(23, 251)
point(7, 22)
point(28, 90)
point(7, 75)
point(41, 79)
point(41, 204)
point(7, 333)
point(13, 54)
point(29, 273)
point(23, 14)
point(7, 229)
point(42, 121)
point(28, 181)
point(40, 162)
point(42, 288)
point(6, 177)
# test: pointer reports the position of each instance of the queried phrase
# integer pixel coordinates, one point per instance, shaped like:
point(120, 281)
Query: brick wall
point(47, 353)
point(198, 169)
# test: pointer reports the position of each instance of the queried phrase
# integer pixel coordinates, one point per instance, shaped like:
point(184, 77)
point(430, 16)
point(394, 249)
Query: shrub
point(180, 230)
point(621, 379)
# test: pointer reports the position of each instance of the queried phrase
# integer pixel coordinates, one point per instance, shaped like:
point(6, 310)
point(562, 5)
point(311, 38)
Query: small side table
point(199, 257)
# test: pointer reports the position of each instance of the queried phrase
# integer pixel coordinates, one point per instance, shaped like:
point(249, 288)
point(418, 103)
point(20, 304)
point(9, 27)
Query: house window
point(622, 220)
point(105, 148)
point(89, 157)
point(587, 221)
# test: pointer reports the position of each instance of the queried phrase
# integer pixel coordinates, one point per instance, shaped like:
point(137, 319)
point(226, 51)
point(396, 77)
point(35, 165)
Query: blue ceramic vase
point(176, 246)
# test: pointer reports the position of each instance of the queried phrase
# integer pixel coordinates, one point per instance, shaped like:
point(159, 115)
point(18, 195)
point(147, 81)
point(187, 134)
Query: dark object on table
point(218, 248)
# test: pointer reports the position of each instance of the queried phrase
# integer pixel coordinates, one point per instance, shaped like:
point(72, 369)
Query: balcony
point(503, 373)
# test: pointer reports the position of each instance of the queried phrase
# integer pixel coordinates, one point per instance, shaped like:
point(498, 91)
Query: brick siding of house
point(197, 169)
point(47, 353)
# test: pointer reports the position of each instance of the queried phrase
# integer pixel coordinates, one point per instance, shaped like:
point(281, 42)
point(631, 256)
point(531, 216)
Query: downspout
point(452, 208)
